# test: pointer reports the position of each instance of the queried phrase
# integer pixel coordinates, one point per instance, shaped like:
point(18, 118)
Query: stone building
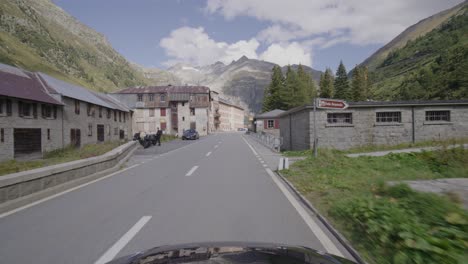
point(268, 122)
point(39, 113)
point(231, 116)
point(173, 109)
point(374, 123)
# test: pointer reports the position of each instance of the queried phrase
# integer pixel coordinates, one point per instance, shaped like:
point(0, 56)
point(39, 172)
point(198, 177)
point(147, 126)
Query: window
point(163, 111)
point(90, 109)
point(8, 107)
point(183, 103)
point(163, 97)
point(2, 135)
point(340, 118)
point(151, 112)
point(193, 125)
point(271, 124)
point(90, 129)
point(163, 126)
point(438, 116)
point(34, 110)
point(183, 118)
point(48, 134)
point(109, 113)
point(1, 106)
point(100, 111)
point(24, 109)
point(139, 97)
point(388, 117)
point(115, 116)
point(192, 111)
point(46, 111)
point(120, 116)
point(151, 97)
point(77, 107)
point(125, 116)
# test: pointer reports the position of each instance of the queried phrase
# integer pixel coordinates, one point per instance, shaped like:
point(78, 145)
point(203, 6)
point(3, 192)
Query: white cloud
point(354, 21)
point(286, 54)
point(196, 47)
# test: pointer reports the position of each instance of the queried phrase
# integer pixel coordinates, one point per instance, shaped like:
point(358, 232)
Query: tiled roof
point(164, 89)
point(271, 114)
point(21, 84)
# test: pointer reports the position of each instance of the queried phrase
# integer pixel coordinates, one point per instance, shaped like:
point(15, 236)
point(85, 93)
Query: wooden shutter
point(34, 109)
point(55, 112)
point(8, 107)
point(163, 111)
point(43, 114)
point(265, 124)
point(276, 124)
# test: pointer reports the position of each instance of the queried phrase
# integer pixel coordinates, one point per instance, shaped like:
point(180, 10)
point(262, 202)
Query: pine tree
point(273, 93)
point(326, 84)
point(342, 90)
point(290, 89)
point(359, 85)
point(302, 94)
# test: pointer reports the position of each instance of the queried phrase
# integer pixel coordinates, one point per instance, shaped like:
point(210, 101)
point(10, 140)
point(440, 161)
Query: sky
point(161, 33)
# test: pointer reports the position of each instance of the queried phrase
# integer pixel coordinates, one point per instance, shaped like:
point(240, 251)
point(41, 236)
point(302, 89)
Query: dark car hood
point(230, 252)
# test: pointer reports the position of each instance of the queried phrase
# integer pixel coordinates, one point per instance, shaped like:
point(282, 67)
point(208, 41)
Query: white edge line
point(192, 170)
point(208, 154)
point(318, 232)
point(115, 249)
point(64, 192)
point(313, 226)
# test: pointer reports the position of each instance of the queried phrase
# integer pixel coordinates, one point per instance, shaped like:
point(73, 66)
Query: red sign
point(331, 104)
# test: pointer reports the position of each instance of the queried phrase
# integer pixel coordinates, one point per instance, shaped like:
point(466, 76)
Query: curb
point(344, 242)
point(25, 200)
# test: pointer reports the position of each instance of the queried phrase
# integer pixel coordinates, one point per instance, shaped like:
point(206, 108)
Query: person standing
point(158, 136)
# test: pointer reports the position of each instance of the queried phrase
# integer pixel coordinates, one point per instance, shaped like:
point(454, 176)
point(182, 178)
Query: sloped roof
point(56, 86)
point(271, 114)
point(17, 83)
point(164, 89)
point(112, 101)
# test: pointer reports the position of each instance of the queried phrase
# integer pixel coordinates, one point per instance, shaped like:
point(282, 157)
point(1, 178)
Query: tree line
point(297, 88)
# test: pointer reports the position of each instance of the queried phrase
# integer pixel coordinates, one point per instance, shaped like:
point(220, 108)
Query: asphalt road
point(213, 189)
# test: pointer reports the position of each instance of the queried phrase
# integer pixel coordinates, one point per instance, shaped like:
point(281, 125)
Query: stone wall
point(9, 123)
point(364, 130)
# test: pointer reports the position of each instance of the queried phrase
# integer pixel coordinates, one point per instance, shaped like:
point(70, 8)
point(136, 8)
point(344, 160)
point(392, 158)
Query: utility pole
point(315, 127)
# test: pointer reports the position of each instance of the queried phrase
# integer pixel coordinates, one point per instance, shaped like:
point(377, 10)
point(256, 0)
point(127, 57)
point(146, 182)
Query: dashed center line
point(191, 171)
point(216, 146)
point(208, 154)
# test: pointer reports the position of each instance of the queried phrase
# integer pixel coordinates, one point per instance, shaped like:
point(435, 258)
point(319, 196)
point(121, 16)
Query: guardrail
point(269, 140)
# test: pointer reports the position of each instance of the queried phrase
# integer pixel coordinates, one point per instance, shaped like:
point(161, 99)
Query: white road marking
point(318, 232)
point(313, 226)
point(250, 146)
point(216, 146)
point(191, 171)
point(123, 241)
point(208, 154)
point(64, 192)
point(262, 162)
point(264, 165)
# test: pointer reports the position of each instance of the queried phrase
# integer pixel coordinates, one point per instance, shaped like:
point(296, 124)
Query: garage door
point(27, 141)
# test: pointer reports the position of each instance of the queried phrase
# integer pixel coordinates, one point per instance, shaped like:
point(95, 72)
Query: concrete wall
point(35, 184)
point(295, 131)
point(365, 131)
point(9, 123)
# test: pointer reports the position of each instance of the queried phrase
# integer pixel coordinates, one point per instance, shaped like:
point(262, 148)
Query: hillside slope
point(417, 30)
point(37, 35)
point(433, 66)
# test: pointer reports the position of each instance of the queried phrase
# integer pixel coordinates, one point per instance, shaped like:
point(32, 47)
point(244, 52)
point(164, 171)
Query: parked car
point(242, 129)
point(190, 134)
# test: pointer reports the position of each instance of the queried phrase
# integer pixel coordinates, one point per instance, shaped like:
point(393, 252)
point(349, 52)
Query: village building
point(39, 113)
point(268, 122)
point(374, 123)
point(231, 116)
point(173, 109)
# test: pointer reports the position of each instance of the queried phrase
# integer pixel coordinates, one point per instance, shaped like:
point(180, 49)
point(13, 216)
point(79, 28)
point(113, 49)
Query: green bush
point(398, 225)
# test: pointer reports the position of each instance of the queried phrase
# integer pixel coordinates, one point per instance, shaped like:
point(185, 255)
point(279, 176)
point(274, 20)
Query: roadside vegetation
point(58, 156)
point(372, 148)
point(166, 138)
point(389, 224)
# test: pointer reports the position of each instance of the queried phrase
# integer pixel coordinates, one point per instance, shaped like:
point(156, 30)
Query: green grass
point(388, 224)
point(58, 156)
point(372, 148)
point(167, 138)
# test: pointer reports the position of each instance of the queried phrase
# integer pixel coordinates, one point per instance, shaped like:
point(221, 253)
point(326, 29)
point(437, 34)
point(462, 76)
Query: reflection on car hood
point(230, 252)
